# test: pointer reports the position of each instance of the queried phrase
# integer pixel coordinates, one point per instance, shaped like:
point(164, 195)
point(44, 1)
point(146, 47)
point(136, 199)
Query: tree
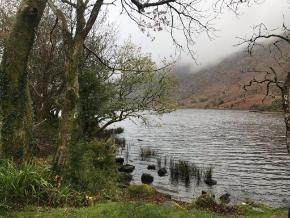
point(45, 68)
point(279, 48)
point(15, 98)
point(185, 16)
point(136, 89)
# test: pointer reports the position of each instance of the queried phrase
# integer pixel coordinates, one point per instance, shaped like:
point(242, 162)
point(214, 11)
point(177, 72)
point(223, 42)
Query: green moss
point(15, 99)
point(141, 190)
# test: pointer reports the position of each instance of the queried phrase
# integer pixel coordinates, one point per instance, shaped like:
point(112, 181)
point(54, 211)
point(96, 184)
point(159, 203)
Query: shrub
point(92, 167)
point(30, 184)
point(205, 201)
point(143, 190)
point(24, 184)
point(277, 104)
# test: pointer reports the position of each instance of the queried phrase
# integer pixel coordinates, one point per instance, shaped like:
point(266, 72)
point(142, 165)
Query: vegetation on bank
point(140, 210)
point(275, 106)
point(31, 190)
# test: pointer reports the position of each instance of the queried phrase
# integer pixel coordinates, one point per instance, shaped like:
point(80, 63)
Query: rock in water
point(210, 182)
point(147, 178)
point(151, 167)
point(127, 168)
point(162, 172)
point(119, 160)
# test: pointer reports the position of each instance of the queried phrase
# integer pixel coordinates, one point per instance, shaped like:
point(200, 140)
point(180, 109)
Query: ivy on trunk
point(16, 107)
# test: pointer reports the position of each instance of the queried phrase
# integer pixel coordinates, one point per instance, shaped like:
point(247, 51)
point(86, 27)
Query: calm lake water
point(246, 150)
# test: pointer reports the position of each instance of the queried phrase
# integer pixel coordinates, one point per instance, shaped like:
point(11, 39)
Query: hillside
point(221, 85)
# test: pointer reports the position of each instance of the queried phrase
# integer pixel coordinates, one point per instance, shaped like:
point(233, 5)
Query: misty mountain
point(221, 85)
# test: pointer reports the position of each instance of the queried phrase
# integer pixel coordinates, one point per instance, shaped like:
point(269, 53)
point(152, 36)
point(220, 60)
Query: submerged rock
point(147, 178)
point(119, 160)
point(210, 182)
point(162, 172)
point(151, 167)
point(127, 168)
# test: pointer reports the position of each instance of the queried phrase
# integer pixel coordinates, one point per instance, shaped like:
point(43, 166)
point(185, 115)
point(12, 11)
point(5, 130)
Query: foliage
point(92, 167)
point(276, 105)
point(206, 200)
point(143, 190)
point(31, 183)
point(95, 100)
point(108, 96)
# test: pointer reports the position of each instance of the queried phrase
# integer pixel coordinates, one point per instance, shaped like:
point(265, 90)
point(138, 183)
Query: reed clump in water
point(147, 152)
point(183, 171)
point(208, 177)
point(120, 142)
point(208, 174)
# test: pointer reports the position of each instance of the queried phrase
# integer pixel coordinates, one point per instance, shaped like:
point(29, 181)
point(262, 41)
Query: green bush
point(205, 201)
point(92, 167)
point(29, 184)
point(143, 190)
point(277, 104)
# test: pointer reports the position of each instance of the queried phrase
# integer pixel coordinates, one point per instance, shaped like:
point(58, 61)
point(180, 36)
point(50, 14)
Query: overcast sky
point(208, 51)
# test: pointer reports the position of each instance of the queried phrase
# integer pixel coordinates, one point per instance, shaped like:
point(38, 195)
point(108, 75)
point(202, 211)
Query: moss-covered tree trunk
point(15, 99)
point(73, 60)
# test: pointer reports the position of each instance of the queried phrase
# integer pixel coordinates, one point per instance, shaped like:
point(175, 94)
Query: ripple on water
point(246, 150)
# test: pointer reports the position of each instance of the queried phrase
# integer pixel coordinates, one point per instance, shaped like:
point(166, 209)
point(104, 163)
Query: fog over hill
point(221, 85)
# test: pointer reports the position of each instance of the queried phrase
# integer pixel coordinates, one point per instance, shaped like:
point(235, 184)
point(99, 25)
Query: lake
point(246, 151)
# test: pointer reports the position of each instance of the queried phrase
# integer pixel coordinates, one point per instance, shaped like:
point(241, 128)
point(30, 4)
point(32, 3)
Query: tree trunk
point(73, 60)
point(15, 98)
point(285, 104)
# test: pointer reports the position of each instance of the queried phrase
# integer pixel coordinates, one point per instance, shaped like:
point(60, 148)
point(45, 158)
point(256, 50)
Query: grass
point(137, 210)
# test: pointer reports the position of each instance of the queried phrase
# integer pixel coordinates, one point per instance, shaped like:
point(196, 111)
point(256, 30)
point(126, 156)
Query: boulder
point(151, 167)
point(127, 168)
point(162, 172)
point(147, 178)
point(119, 160)
point(210, 182)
